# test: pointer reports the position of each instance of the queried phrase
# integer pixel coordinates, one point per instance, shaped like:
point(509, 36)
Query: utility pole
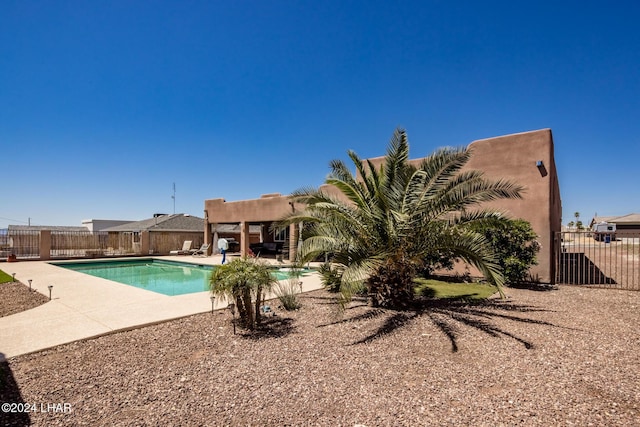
point(174, 198)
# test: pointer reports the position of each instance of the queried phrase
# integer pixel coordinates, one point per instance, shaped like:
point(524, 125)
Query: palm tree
point(245, 282)
point(399, 219)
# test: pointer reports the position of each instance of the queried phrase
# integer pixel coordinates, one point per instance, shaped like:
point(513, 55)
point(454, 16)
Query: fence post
point(45, 245)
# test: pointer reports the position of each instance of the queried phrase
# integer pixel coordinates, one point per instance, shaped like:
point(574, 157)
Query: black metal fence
point(606, 263)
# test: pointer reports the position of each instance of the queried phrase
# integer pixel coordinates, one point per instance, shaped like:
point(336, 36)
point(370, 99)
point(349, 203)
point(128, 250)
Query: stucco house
point(527, 158)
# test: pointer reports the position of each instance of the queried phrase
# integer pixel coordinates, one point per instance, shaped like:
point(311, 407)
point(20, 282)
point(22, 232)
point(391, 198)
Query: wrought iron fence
point(23, 244)
point(28, 244)
point(606, 263)
point(87, 244)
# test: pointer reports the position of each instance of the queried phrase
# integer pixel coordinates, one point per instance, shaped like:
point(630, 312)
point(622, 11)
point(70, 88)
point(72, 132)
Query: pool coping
point(84, 306)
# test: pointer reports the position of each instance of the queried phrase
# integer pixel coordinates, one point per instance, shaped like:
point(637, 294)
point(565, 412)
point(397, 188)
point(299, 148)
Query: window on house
point(281, 235)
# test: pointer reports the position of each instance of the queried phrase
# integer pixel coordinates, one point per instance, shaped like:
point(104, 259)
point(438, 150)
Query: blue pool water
point(164, 277)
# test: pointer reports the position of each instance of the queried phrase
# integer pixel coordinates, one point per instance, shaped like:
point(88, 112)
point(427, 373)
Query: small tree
point(515, 245)
point(244, 281)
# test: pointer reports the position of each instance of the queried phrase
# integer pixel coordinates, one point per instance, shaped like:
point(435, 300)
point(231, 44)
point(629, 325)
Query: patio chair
point(202, 251)
point(186, 249)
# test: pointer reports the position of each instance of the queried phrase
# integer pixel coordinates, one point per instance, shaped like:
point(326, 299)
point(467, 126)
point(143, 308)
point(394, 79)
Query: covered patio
point(252, 220)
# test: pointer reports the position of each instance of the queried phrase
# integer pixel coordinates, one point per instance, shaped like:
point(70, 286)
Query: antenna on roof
point(174, 198)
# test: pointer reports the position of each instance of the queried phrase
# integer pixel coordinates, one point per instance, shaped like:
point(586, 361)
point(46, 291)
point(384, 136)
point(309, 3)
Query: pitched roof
point(46, 227)
point(632, 218)
point(175, 222)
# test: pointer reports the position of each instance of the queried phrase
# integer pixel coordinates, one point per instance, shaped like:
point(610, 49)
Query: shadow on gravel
point(272, 327)
point(13, 415)
point(534, 286)
point(449, 315)
point(333, 300)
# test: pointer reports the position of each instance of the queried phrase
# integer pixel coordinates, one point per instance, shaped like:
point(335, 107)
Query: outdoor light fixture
point(232, 307)
point(300, 284)
point(30, 283)
point(13, 277)
point(213, 302)
point(50, 287)
point(541, 167)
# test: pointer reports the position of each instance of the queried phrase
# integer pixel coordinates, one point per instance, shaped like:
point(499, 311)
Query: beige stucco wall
point(515, 157)
point(269, 207)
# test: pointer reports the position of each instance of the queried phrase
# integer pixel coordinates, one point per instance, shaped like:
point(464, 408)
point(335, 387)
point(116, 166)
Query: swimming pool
point(165, 277)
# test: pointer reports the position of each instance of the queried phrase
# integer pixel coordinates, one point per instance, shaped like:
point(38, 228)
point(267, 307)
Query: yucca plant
point(394, 219)
point(287, 292)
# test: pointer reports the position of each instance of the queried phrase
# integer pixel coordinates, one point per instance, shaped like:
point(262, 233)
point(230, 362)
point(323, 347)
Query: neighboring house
point(37, 228)
point(162, 233)
point(101, 224)
point(626, 225)
point(527, 158)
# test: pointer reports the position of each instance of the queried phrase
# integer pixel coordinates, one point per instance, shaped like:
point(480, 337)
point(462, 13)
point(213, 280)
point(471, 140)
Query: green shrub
point(515, 245)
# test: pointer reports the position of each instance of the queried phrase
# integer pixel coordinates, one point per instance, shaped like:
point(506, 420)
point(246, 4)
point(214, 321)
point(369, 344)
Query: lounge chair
point(186, 249)
point(202, 251)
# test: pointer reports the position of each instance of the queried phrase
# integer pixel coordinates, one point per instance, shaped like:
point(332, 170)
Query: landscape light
point(30, 283)
point(13, 277)
point(213, 302)
point(50, 287)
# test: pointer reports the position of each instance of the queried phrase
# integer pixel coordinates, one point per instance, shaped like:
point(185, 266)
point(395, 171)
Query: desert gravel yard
point(565, 357)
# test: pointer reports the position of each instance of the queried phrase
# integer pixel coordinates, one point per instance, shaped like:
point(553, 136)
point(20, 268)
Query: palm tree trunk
point(392, 285)
point(258, 304)
point(250, 318)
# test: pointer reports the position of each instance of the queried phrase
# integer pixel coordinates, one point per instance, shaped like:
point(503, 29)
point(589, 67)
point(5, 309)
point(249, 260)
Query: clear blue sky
point(104, 105)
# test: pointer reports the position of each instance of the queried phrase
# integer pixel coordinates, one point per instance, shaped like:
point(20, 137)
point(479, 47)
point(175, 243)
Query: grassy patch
point(446, 290)
point(4, 277)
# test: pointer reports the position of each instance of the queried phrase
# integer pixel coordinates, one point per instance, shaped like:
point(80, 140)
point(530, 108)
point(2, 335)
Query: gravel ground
point(16, 297)
point(564, 357)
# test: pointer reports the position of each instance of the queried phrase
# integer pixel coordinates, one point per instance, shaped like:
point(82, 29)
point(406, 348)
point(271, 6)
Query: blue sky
point(104, 105)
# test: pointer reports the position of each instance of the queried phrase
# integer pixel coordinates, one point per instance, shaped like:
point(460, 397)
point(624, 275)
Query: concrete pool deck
point(84, 306)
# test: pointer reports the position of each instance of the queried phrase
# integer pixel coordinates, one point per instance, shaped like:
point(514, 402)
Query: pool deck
point(84, 306)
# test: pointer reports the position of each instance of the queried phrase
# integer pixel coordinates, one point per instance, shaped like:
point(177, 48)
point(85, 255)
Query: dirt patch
point(16, 297)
